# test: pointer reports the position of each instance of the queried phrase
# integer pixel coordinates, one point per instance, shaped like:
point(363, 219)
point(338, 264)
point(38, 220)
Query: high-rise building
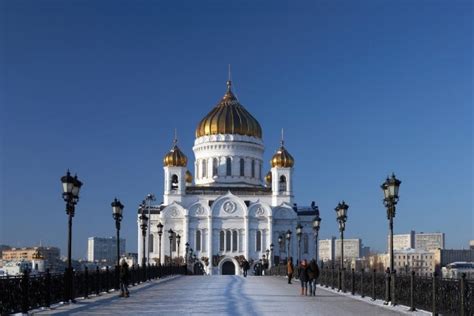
point(429, 241)
point(326, 249)
point(104, 249)
point(471, 244)
point(352, 248)
point(402, 241)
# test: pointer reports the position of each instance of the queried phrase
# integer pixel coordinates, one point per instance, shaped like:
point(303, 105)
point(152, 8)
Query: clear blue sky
point(362, 88)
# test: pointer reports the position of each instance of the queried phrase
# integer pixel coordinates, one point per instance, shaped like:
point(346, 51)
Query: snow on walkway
point(222, 295)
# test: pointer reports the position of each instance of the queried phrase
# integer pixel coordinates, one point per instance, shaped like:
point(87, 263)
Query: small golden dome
point(175, 158)
point(268, 177)
point(188, 177)
point(229, 117)
point(282, 158)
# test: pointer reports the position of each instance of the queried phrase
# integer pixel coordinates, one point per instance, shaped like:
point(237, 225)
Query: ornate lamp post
point(117, 210)
point(341, 216)
point(288, 238)
point(149, 198)
point(170, 236)
point(316, 226)
point(390, 191)
point(299, 233)
point(71, 188)
point(178, 241)
point(271, 255)
point(160, 233)
point(186, 245)
point(143, 225)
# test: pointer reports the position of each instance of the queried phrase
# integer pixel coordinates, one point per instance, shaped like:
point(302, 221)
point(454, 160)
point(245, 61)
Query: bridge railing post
point(352, 282)
point(107, 279)
point(462, 295)
point(86, 282)
point(343, 279)
point(434, 296)
point(393, 296)
point(47, 288)
point(97, 281)
point(412, 292)
point(387, 288)
point(362, 282)
point(373, 285)
point(25, 284)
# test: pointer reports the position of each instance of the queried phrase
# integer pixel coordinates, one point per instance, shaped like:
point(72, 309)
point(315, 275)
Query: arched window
point(242, 167)
point(150, 243)
point(214, 167)
point(198, 240)
point(253, 168)
point(228, 166)
point(234, 240)
point(222, 241)
point(227, 240)
point(282, 184)
point(174, 182)
point(305, 243)
point(259, 240)
point(204, 168)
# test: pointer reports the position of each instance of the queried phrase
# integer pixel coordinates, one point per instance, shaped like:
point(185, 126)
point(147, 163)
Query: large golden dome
point(175, 158)
point(282, 158)
point(229, 117)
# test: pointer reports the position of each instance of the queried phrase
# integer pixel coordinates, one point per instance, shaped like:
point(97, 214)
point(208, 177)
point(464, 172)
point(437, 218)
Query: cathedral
point(230, 209)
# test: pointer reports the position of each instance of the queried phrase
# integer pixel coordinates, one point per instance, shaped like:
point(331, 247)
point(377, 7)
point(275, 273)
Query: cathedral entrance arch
point(228, 266)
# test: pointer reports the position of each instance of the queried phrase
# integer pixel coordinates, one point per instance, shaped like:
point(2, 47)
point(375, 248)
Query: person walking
point(289, 268)
point(246, 267)
point(313, 274)
point(303, 276)
point(124, 279)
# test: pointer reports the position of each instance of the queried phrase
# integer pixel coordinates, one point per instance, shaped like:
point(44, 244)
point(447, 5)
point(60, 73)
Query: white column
point(209, 243)
point(140, 246)
point(246, 237)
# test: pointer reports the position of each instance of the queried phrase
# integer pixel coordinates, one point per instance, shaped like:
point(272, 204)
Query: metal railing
point(433, 294)
point(27, 292)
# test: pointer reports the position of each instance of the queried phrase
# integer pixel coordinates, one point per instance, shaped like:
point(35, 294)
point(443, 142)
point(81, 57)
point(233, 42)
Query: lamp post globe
point(71, 187)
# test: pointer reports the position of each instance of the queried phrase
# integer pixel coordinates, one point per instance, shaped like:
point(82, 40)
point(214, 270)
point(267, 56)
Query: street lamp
point(390, 191)
point(341, 216)
point(117, 210)
point(316, 226)
point(299, 233)
point(186, 245)
point(170, 236)
point(149, 198)
point(143, 225)
point(271, 255)
point(71, 188)
point(160, 233)
point(178, 241)
point(288, 238)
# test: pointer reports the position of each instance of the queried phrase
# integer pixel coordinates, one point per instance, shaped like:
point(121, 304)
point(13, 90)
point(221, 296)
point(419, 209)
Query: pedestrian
point(246, 267)
point(303, 276)
point(124, 278)
point(289, 268)
point(313, 274)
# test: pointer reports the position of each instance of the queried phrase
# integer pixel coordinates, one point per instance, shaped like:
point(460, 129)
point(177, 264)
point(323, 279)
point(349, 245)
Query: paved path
point(223, 295)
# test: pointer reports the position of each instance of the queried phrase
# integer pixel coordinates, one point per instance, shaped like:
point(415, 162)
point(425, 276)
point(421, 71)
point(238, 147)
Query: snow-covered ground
point(225, 295)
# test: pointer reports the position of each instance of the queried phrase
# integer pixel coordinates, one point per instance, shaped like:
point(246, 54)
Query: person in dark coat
point(245, 267)
point(124, 279)
point(303, 276)
point(313, 274)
